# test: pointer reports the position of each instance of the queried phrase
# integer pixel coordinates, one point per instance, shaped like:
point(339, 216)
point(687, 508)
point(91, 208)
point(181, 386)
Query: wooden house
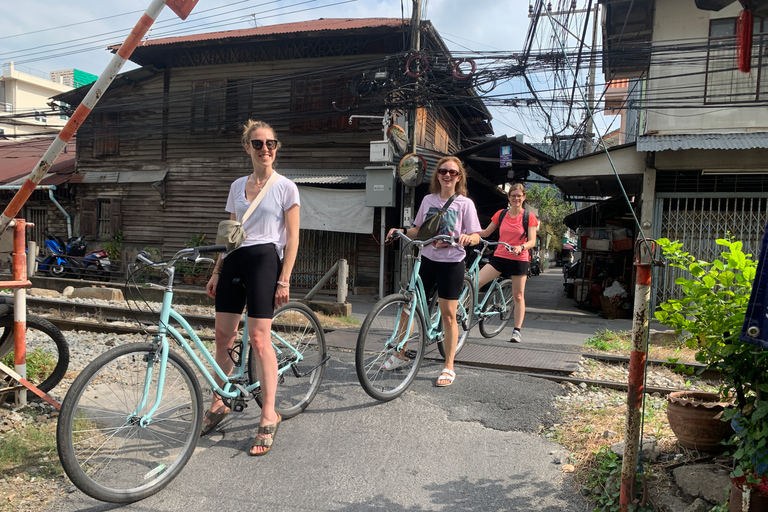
point(158, 153)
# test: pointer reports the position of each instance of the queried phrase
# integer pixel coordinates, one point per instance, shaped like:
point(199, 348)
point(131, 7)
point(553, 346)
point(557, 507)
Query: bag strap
point(260, 196)
point(448, 203)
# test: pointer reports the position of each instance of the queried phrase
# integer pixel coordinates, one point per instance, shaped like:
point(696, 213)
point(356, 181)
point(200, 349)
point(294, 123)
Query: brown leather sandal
point(265, 441)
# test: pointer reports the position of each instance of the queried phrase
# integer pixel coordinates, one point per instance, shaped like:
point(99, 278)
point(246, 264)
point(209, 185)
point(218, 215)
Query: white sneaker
point(516, 337)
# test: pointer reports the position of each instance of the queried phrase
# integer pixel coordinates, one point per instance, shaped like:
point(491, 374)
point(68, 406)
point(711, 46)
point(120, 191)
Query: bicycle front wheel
point(464, 315)
point(384, 375)
point(103, 446)
point(47, 351)
point(300, 345)
point(498, 309)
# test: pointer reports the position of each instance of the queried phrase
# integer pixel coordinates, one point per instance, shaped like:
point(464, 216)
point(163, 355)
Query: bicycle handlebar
point(437, 238)
point(190, 254)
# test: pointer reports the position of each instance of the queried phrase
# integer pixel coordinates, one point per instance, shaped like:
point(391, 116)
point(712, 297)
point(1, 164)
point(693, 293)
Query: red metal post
point(20, 307)
point(636, 383)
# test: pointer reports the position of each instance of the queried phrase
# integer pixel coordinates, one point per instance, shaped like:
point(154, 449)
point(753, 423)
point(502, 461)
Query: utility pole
point(408, 212)
point(591, 90)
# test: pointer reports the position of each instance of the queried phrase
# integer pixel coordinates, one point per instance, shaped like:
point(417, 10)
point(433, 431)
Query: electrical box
point(380, 186)
point(381, 151)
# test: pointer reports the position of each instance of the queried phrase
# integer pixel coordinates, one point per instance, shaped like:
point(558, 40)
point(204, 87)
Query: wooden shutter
point(115, 215)
point(88, 220)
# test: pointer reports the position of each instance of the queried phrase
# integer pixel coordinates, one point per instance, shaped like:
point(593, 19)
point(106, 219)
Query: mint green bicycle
point(402, 326)
point(132, 418)
point(497, 306)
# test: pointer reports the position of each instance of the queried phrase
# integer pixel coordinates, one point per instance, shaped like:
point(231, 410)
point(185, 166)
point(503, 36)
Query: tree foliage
point(552, 210)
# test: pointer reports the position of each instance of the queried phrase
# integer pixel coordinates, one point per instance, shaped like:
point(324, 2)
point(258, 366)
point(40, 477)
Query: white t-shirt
point(266, 225)
point(460, 218)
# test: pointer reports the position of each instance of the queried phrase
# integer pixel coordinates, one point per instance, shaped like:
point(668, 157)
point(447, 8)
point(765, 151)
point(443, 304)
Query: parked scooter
point(71, 259)
point(534, 267)
point(570, 273)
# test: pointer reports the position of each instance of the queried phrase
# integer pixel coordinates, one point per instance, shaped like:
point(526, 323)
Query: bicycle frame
point(474, 275)
point(232, 387)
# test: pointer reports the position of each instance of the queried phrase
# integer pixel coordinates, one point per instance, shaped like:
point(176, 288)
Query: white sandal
point(394, 362)
point(450, 376)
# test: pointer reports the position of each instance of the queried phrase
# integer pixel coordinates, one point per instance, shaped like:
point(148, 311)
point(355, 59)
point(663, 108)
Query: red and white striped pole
point(636, 383)
point(180, 7)
point(20, 307)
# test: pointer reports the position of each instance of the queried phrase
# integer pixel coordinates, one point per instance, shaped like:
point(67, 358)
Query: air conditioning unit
point(382, 151)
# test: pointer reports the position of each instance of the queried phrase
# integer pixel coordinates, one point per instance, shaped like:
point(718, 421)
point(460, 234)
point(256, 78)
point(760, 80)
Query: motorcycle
point(534, 267)
point(71, 258)
point(570, 273)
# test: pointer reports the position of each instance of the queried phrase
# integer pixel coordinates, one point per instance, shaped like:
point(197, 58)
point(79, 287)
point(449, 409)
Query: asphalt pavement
point(473, 446)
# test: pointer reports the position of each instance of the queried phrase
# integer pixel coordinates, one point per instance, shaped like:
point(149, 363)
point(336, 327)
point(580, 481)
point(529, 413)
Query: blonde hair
point(252, 125)
point(461, 185)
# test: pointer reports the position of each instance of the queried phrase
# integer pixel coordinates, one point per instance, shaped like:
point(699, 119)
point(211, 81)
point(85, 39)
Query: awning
point(597, 214)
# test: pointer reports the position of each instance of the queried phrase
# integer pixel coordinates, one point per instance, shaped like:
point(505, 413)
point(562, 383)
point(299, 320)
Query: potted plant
point(711, 309)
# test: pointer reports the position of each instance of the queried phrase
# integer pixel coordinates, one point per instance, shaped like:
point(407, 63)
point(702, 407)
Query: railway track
point(111, 320)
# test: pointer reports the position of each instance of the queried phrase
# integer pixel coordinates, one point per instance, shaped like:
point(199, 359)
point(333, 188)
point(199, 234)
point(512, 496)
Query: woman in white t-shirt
point(258, 273)
point(443, 263)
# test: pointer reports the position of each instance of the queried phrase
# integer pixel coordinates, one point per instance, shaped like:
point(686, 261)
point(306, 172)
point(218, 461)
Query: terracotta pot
point(696, 419)
point(757, 502)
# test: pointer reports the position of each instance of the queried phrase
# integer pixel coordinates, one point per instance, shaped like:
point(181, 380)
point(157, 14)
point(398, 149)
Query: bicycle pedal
point(238, 404)
point(410, 354)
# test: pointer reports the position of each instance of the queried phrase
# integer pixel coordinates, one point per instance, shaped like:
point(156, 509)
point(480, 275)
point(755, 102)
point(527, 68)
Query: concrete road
point(473, 446)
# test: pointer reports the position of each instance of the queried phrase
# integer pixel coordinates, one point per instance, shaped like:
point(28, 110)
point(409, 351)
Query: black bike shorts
point(249, 276)
point(509, 268)
point(449, 277)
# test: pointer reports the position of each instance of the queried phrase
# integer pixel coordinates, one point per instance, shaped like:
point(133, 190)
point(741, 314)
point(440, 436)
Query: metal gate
point(37, 216)
point(697, 220)
point(318, 251)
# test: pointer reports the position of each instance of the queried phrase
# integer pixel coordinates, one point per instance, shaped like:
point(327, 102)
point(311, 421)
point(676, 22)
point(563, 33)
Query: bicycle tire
point(103, 448)
point(298, 325)
point(47, 351)
point(373, 349)
point(464, 313)
point(498, 309)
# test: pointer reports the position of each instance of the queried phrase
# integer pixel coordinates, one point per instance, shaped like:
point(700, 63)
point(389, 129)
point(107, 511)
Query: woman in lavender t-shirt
point(443, 263)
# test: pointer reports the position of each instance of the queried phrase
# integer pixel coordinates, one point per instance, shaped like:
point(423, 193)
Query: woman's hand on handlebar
point(465, 240)
point(394, 231)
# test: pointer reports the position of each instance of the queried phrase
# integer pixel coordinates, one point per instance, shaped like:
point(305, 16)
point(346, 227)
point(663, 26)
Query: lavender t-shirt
point(267, 222)
point(461, 217)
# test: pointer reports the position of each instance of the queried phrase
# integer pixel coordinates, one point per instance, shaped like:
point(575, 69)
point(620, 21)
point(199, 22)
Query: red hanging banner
point(744, 41)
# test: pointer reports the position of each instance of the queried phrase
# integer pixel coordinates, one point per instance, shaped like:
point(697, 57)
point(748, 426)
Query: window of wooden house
point(312, 104)
point(209, 106)
point(239, 108)
point(106, 134)
point(724, 82)
point(100, 217)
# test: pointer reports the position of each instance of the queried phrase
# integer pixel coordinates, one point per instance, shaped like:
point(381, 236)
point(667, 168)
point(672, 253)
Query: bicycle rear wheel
point(104, 449)
point(47, 351)
point(296, 325)
point(464, 314)
point(383, 329)
point(498, 309)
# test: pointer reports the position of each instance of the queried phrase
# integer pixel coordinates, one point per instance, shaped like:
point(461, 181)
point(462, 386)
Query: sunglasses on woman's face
point(258, 144)
point(450, 172)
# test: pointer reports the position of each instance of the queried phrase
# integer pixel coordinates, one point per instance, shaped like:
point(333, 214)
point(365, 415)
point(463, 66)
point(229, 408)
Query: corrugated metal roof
point(18, 159)
point(703, 141)
point(322, 24)
point(324, 176)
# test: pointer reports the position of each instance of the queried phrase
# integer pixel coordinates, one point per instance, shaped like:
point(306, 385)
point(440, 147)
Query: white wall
point(681, 22)
point(27, 93)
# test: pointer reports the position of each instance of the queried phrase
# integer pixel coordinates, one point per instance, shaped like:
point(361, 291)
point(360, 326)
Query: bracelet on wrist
point(283, 283)
point(217, 272)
